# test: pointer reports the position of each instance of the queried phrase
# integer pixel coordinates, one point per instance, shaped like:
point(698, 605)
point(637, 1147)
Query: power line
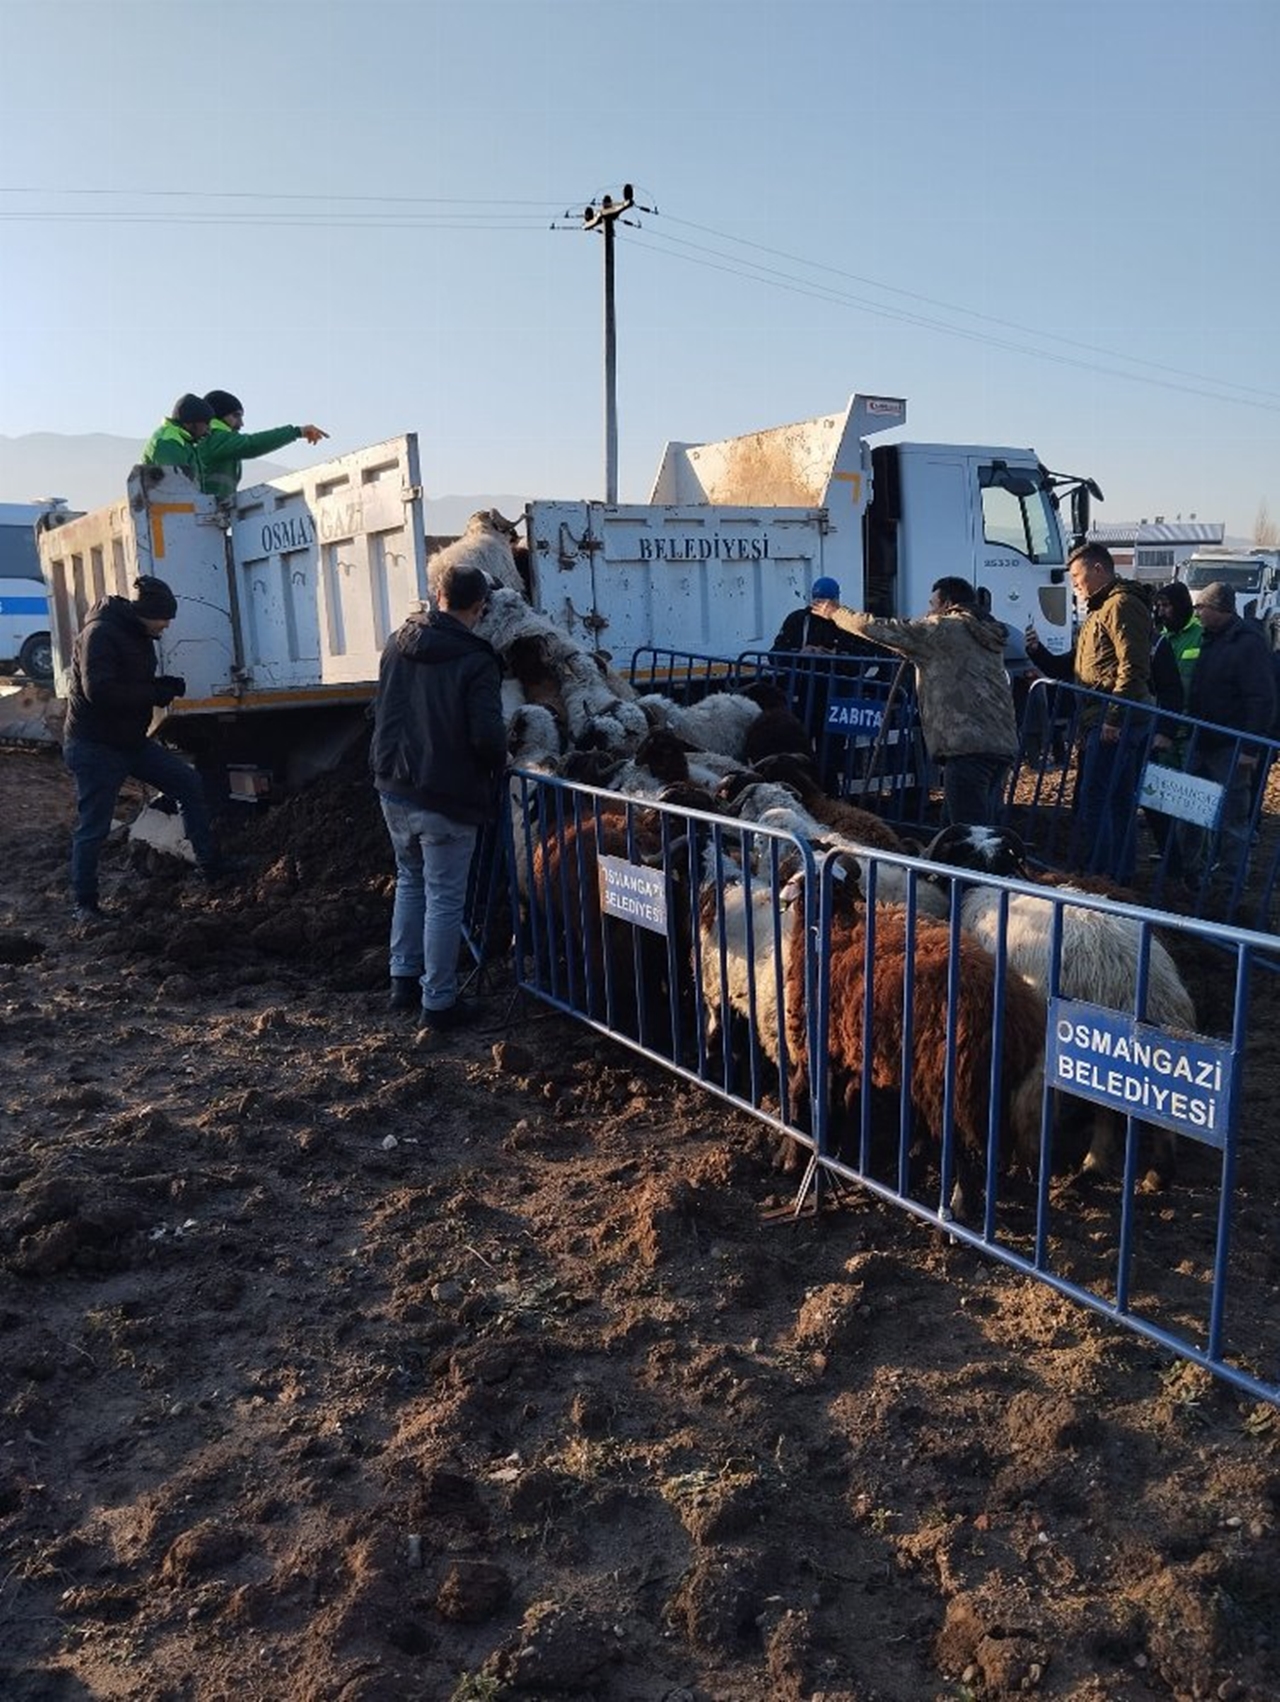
point(970, 312)
point(340, 212)
point(754, 272)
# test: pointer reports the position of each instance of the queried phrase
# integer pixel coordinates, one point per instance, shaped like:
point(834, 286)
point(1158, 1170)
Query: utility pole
point(604, 218)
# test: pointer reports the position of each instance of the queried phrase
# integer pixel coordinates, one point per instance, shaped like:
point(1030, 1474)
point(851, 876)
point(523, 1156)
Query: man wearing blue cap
point(810, 633)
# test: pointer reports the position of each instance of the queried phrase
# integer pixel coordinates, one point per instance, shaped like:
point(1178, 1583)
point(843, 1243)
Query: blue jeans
point(99, 772)
point(973, 789)
point(1106, 828)
point(433, 858)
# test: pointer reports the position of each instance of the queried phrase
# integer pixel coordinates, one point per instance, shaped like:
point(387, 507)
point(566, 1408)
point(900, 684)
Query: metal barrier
point(865, 722)
point(1172, 808)
point(861, 713)
point(1175, 810)
point(901, 1046)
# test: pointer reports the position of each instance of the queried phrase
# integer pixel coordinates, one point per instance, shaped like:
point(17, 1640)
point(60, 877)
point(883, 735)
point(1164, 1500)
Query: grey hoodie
point(966, 702)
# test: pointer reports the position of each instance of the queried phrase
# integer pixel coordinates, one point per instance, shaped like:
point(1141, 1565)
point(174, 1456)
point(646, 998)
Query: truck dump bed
point(285, 597)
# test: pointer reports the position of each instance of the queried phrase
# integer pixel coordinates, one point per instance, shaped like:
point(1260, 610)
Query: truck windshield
point(1239, 575)
point(19, 558)
point(1017, 514)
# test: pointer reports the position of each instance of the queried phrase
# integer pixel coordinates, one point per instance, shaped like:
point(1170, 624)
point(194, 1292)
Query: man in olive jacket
point(1113, 655)
point(220, 455)
point(439, 745)
point(966, 702)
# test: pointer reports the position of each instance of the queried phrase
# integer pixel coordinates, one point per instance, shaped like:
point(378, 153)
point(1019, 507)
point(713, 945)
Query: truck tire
point(36, 657)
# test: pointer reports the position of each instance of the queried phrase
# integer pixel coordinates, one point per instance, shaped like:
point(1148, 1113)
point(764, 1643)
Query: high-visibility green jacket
point(171, 445)
point(219, 455)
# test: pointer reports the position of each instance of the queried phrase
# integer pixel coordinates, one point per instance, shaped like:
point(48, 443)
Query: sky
point(1045, 223)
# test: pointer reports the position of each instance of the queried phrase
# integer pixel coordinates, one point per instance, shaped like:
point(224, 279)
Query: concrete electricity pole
point(604, 218)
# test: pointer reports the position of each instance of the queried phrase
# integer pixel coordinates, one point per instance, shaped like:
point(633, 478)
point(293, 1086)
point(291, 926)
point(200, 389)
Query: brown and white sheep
point(921, 959)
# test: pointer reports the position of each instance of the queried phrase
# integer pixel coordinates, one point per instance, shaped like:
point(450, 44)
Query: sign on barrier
point(854, 715)
point(633, 893)
point(1184, 1083)
point(1187, 796)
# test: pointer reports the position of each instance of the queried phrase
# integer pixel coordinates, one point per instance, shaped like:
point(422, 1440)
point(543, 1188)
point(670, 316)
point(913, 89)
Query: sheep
point(775, 730)
point(1098, 963)
point(717, 723)
point(921, 958)
point(628, 976)
point(533, 744)
point(486, 544)
point(743, 937)
point(661, 759)
point(893, 882)
point(846, 819)
point(530, 663)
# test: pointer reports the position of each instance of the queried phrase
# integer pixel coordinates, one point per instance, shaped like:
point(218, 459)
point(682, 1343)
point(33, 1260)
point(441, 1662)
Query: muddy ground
point(337, 1365)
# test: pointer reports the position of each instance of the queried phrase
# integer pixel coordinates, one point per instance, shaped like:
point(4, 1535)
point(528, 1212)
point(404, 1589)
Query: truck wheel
point(36, 657)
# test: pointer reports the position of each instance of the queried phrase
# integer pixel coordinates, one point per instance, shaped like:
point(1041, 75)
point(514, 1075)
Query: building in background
point(1155, 549)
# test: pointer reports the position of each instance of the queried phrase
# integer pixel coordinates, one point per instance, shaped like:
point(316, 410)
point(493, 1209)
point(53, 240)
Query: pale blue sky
point(1046, 224)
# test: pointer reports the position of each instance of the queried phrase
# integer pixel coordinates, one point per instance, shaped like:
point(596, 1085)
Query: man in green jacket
point(221, 453)
point(173, 443)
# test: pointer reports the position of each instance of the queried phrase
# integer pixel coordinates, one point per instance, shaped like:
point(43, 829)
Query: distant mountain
point(90, 472)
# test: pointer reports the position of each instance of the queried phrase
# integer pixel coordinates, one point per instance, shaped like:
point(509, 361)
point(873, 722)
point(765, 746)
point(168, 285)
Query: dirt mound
point(339, 1365)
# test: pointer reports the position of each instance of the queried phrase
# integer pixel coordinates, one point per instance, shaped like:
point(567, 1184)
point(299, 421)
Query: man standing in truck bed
point(175, 440)
point(220, 454)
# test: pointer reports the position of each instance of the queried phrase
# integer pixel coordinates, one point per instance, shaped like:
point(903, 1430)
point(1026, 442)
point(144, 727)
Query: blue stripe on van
point(23, 605)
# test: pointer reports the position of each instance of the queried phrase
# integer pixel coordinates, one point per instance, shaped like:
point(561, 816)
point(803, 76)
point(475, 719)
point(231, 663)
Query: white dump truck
point(287, 595)
point(736, 532)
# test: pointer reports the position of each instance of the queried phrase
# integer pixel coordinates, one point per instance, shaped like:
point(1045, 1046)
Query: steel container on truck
point(286, 596)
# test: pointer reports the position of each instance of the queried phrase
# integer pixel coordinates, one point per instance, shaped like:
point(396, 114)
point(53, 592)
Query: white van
point(26, 642)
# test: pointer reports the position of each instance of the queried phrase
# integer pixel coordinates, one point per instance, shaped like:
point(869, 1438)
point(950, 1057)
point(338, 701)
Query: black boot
point(406, 993)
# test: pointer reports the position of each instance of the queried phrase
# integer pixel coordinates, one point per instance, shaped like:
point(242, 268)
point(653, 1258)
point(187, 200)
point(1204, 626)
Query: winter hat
point(153, 600)
point(825, 590)
point(190, 410)
point(223, 402)
point(1218, 595)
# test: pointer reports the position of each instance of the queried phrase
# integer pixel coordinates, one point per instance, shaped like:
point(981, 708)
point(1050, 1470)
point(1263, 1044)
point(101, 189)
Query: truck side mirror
point(1080, 511)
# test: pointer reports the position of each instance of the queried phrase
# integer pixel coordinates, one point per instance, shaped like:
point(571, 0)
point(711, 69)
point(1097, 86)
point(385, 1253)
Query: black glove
point(169, 686)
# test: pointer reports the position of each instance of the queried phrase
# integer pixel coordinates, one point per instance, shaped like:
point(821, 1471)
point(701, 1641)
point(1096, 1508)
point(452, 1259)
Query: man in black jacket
point(114, 691)
point(1233, 685)
point(438, 748)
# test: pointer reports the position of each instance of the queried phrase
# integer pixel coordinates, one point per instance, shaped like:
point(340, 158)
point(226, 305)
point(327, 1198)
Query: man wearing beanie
point(114, 691)
point(1233, 686)
point(173, 443)
point(220, 454)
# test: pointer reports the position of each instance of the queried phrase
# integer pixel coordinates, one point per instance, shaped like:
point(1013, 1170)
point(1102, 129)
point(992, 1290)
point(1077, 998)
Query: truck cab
point(1254, 576)
point(26, 640)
